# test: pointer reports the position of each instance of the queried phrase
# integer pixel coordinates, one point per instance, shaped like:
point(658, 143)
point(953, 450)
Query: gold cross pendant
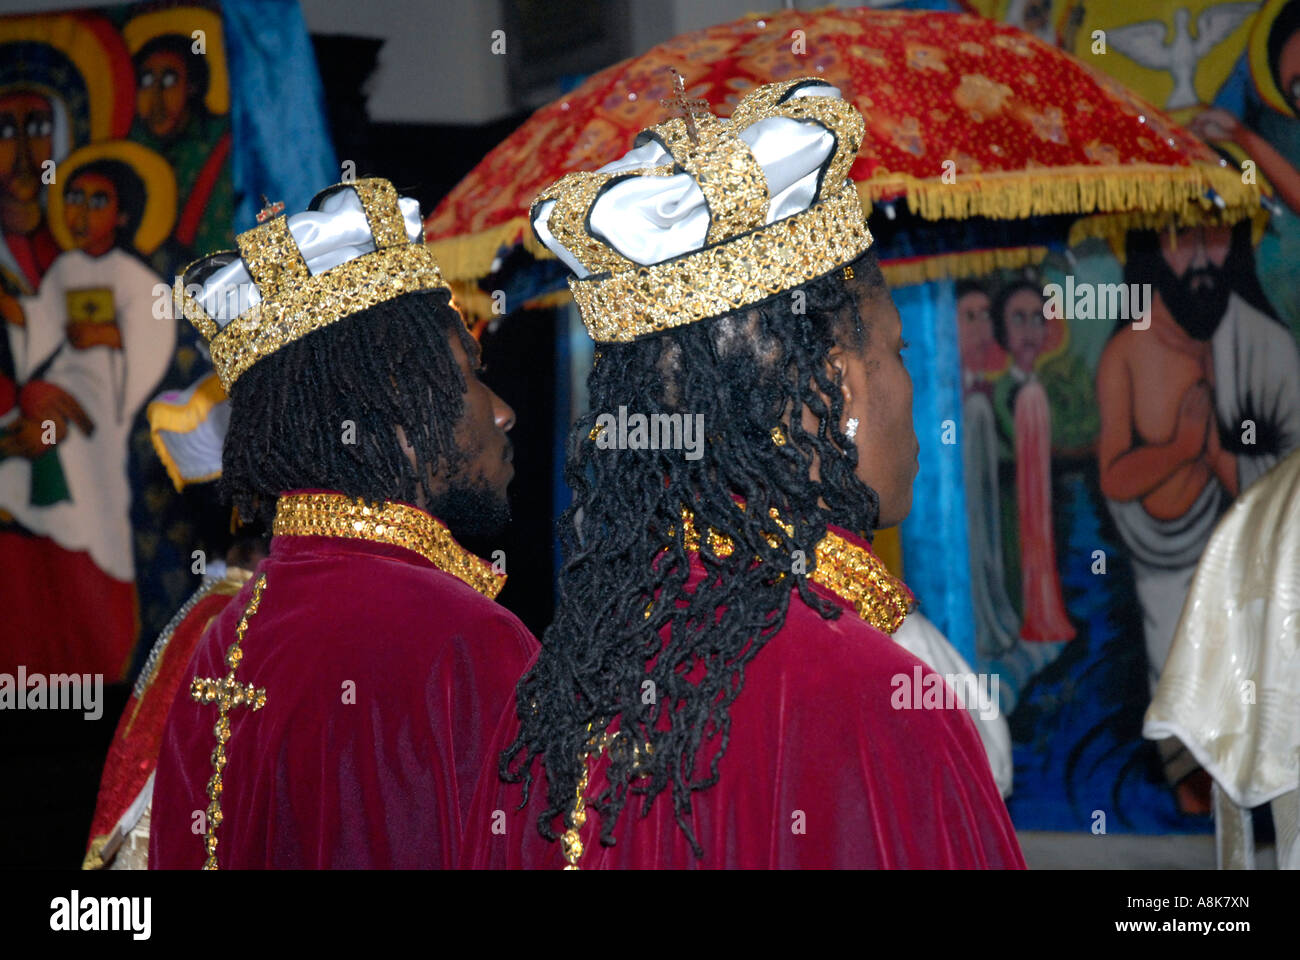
point(227, 694)
point(688, 106)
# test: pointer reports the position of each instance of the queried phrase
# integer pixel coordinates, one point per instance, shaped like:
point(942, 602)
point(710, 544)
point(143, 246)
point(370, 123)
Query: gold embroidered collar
point(396, 524)
point(851, 572)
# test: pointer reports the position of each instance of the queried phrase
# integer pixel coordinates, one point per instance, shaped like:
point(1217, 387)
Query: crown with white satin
point(357, 245)
point(706, 215)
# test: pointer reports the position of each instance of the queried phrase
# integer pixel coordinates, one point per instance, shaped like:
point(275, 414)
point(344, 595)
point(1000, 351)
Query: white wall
point(436, 65)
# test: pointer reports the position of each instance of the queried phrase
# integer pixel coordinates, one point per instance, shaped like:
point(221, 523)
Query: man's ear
point(838, 364)
point(408, 451)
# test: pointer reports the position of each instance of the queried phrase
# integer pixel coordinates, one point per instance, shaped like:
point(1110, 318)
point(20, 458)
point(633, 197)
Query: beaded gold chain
point(227, 694)
point(570, 840)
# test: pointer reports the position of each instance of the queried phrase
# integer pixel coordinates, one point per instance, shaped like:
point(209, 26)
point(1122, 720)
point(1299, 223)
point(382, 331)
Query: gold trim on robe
point(853, 573)
point(395, 524)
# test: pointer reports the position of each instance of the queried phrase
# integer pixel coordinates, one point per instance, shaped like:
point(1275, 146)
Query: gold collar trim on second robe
point(852, 573)
point(395, 524)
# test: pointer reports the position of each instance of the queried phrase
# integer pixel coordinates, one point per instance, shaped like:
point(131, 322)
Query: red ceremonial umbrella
point(965, 118)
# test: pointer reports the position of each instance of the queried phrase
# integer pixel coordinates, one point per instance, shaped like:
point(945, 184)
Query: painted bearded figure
point(1176, 449)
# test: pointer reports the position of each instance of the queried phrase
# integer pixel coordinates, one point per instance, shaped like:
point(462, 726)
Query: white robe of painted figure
point(110, 384)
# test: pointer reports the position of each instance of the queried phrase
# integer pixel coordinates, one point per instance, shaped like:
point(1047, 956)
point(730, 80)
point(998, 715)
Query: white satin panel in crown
point(652, 219)
point(334, 234)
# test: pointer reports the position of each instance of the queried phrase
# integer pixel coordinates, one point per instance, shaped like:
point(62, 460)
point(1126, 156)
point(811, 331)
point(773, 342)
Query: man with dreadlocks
point(719, 686)
point(341, 706)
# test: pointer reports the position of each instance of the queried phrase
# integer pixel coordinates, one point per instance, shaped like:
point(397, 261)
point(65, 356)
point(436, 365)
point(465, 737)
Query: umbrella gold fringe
point(970, 263)
point(470, 256)
point(1140, 192)
point(1112, 227)
point(1145, 188)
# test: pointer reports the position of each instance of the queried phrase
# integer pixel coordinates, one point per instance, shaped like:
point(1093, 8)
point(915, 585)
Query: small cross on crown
point(269, 209)
point(689, 107)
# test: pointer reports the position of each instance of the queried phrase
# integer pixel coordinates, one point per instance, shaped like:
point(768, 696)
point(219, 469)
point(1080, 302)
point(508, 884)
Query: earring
point(851, 428)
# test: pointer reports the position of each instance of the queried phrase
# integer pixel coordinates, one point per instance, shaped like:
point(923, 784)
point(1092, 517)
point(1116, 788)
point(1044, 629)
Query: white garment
point(923, 640)
point(110, 384)
point(1231, 686)
point(192, 452)
point(1259, 357)
point(1163, 554)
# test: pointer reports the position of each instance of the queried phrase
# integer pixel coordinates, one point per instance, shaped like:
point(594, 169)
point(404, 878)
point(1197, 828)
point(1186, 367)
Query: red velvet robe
point(820, 772)
point(133, 754)
point(384, 678)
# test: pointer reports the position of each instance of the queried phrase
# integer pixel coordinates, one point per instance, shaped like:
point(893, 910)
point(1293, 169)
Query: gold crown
point(294, 302)
point(744, 260)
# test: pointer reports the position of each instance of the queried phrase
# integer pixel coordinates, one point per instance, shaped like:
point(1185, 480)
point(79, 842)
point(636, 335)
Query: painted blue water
point(1077, 724)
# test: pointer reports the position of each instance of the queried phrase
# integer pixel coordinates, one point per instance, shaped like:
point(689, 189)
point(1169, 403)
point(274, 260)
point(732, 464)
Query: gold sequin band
point(273, 260)
point(227, 694)
point(326, 298)
point(396, 524)
point(852, 573)
point(573, 195)
point(736, 273)
point(379, 201)
point(861, 578)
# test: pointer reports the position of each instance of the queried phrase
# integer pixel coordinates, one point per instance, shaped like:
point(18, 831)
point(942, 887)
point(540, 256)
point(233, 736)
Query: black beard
point(1198, 308)
point(471, 508)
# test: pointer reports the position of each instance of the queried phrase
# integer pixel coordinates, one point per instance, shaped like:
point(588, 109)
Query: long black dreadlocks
point(390, 365)
point(746, 373)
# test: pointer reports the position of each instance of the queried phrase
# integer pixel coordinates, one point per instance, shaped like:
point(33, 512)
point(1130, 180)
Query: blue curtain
point(281, 145)
point(936, 556)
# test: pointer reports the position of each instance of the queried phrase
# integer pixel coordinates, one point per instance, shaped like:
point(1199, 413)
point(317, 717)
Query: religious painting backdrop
point(1098, 456)
point(133, 139)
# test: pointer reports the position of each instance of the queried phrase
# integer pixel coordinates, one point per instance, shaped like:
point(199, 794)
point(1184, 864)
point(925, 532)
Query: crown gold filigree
point(293, 301)
point(744, 259)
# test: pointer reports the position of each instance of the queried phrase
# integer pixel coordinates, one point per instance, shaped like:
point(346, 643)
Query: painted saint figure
point(996, 623)
point(89, 350)
point(1275, 67)
point(26, 145)
point(182, 99)
point(1020, 327)
point(49, 107)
